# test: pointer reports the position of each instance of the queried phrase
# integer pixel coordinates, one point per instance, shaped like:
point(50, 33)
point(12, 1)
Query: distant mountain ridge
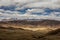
point(26, 22)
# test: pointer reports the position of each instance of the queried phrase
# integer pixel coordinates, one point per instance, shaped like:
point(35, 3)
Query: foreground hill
point(18, 34)
point(22, 34)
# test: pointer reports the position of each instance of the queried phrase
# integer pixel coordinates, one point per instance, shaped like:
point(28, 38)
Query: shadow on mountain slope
point(51, 35)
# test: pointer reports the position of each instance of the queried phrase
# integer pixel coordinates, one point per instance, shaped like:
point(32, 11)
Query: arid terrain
point(30, 30)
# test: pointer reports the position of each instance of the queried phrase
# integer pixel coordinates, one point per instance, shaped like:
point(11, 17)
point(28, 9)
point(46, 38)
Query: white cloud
point(42, 5)
point(36, 11)
point(53, 4)
point(37, 6)
point(32, 3)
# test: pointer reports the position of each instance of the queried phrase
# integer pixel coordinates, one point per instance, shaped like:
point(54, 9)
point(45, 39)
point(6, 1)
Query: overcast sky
point(30, 9)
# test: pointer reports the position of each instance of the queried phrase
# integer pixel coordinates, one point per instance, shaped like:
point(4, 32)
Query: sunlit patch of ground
point(33, 28)
point(42, 29)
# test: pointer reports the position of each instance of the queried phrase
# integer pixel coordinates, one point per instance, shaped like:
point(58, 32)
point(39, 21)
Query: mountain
point(49, 23)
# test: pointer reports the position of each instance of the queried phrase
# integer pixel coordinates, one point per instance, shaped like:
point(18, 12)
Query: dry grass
point(23, 34)
point(17, 30)
point(18, 34)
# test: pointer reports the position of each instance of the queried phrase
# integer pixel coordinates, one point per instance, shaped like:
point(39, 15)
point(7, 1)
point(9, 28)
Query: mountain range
point(45, 23)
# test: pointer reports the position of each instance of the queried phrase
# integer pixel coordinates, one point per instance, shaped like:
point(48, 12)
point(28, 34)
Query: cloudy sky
point(30, 9)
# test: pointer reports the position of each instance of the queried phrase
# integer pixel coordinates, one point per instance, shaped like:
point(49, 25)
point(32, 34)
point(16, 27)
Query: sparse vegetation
point(22, 34)
point(12, 30)
point(18, 34)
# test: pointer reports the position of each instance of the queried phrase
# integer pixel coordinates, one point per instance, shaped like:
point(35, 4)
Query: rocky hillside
point(51, 23)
